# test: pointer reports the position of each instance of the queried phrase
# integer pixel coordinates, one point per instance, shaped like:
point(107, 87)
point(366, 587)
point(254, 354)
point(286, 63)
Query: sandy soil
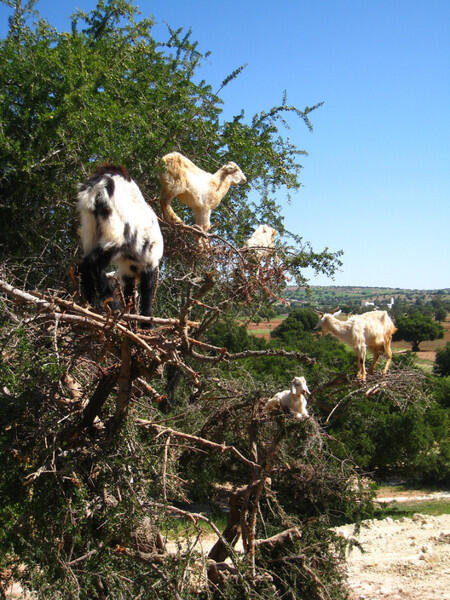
point(408, 559)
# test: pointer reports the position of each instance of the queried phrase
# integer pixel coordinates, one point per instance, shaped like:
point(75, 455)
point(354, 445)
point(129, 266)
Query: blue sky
point(376, 179)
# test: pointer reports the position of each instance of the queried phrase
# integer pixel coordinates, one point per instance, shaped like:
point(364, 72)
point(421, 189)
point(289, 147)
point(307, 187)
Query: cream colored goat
point(293, 399)
point(199, 190)
point(262, 241)
point(373, 330)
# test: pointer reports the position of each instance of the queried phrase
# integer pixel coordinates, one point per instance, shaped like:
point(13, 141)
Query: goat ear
point(293, 389)
point(318, 325)
point(336, 310)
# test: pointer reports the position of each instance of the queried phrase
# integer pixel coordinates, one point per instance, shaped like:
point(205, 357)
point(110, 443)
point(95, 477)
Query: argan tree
point(109, 432)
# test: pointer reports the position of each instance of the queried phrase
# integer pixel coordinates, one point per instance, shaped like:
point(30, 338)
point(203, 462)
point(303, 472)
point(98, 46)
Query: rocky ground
point(407, 559)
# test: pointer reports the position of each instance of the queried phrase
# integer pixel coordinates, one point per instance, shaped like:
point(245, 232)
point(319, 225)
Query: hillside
point(354, 295)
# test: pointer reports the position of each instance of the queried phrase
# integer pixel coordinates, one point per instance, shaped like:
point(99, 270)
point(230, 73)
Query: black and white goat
point(117, 226)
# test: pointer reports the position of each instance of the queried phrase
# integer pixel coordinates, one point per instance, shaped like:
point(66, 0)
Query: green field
point(397, 510)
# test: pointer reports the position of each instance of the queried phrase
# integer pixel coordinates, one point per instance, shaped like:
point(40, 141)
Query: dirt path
point(410, 496)
point(408, 559)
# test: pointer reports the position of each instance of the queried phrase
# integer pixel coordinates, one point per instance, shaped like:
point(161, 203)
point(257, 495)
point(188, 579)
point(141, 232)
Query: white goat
point(293, 399)
point(262, 241)
point(117, 225)
point(199, 190)
point(373, 330)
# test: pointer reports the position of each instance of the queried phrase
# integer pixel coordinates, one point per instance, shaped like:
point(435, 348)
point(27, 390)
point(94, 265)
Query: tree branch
point(280, 538)
point(202, 441)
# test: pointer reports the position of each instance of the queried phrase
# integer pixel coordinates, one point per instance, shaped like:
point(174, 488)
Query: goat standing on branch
point(373, 330)
point(117, 225)
point(199, 190)
point(293, 399)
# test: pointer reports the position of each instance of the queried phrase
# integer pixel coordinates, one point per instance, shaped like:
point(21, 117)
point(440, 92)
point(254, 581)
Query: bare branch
point(202, 441)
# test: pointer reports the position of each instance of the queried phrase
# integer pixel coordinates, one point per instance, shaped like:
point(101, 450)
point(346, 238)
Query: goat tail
point(388, 324)
point(95, 194)
point(388, 337)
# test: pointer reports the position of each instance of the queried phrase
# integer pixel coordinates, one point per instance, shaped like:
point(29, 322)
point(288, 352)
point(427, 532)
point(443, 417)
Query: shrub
point(441, 365)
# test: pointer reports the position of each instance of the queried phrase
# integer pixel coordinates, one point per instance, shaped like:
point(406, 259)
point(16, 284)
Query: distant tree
point(400, 308)
point(348, 308)
point(440, 313)
point(441, 300)
point(416, 329)
point(442, 362)
point(436, 301)
point(298, 321)
point(268, 312)
point(280, 309)
point(427, 310)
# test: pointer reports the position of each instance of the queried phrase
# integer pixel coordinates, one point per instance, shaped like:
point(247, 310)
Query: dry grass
point(263, 329)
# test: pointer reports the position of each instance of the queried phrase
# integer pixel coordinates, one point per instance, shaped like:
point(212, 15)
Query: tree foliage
point(393, 426)
point(297, 322)
point(382, 437)
point(109, 92)
point(441, 390)
point(94, 476)
point(440, 313)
